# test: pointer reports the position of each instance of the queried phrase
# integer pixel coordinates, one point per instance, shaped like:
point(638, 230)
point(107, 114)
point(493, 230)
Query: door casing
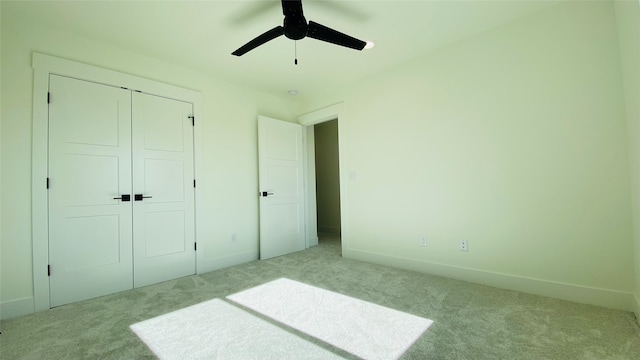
point(308, 120)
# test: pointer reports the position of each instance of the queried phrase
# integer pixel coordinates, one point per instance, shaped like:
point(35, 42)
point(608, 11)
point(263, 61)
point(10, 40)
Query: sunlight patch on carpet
point(361, 328)
point(216, 329)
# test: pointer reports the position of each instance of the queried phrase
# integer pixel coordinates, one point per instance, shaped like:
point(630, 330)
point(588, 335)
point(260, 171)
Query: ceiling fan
point(296, 27)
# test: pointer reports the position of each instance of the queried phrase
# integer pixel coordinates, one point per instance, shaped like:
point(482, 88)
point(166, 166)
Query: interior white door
point(281, 162)
point(89, 167)
point(163, 183)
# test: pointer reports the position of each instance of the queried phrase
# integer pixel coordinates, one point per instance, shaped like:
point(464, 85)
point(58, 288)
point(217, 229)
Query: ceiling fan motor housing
point(295, 27)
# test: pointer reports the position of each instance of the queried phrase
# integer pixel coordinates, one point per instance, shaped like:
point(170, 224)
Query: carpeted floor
point(470, 321)
point(367, 330)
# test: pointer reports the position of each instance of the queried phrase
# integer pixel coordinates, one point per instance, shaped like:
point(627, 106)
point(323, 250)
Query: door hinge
point(193, 120)
point(48, 270)
point(48, 98)
point(194, 182)
point(195, 246)
point(47, 183)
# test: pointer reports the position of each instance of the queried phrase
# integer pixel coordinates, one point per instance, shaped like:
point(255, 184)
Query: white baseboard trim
point(15, 308)
point(224, 262)
point(587, 295)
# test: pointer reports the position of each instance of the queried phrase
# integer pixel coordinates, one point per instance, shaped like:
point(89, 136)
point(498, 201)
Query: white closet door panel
point(172, 172)
point(164, 227)
point(89, 165)
point(88, 188)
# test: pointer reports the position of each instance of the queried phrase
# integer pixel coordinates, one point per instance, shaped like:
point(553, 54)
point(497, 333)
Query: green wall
point(514, 140)
point(628, 16)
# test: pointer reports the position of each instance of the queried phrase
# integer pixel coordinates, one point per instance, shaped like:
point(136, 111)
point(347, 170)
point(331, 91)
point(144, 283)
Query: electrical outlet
point(464, 245)
point(234, 237)
point(423, 240)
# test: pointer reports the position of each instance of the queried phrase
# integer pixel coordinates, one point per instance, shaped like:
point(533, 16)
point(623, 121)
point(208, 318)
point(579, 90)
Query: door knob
point(123, 197)
point(139, 197)
point(266, 193)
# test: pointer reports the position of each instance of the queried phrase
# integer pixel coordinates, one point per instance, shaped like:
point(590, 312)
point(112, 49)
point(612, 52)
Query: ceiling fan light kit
point(296, 27)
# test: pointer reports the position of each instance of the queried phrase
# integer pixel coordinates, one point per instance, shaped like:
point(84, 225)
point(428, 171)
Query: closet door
point(89, 168)
point(163, 175)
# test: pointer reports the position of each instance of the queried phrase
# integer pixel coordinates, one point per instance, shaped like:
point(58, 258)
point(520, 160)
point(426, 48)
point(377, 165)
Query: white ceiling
point(202, 34)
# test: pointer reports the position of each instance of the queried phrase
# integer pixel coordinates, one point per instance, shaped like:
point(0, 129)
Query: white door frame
point(43, 66)
point(308, 120)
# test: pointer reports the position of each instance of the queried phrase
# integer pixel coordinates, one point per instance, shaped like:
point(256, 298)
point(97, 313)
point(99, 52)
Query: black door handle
point(139, 197)
point(123, 197)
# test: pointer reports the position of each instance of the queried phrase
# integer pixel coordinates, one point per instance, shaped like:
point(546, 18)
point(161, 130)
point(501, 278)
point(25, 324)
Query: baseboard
point(15, 308)
point(587, 295)
point(227, 261)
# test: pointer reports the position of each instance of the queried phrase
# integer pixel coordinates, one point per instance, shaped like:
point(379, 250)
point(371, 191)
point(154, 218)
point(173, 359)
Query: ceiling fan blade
point(321, 32)
point(267, 36)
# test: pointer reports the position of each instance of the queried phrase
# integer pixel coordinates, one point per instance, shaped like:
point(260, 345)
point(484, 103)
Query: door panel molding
point(44, 66)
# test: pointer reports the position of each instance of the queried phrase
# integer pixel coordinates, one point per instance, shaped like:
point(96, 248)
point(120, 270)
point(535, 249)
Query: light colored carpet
point(215, 329)
point(364, 329)
point(471, 322)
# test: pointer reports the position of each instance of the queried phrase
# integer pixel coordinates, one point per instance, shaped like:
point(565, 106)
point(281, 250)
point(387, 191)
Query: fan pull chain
point(295, 46)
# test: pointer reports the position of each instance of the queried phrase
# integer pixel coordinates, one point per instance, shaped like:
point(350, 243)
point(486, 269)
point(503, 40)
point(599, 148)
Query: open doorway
point(332, 113)
point(327, 174)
